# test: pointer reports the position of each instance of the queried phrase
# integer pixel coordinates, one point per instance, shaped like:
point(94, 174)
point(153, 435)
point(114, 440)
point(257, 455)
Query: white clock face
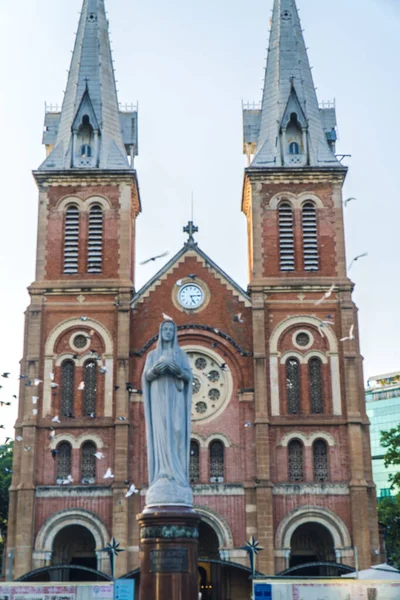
point(191, 296)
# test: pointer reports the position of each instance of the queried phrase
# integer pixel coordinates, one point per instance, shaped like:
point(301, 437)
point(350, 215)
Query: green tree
point(6, 460)
point(391, 441)
point(389, 515)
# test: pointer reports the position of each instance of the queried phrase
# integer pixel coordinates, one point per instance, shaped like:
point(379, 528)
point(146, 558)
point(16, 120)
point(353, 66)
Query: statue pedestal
point(169, 538)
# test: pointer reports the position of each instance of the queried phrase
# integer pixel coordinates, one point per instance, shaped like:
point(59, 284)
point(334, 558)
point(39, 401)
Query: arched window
point(293, 385)
point(315, 382)
point(310, 238)
point(294, 148)
point(194, 464)
point(90, 393)
point(217, 461)
point(67, 388)
point(88, 463)
point(321, 471)
point(71, 240)
point(63, 462)
point(286, 237)
point(86, 151)
point(295, 458)
point(95, 240)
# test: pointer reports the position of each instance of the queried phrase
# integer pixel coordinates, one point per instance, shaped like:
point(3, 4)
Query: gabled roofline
point(189, 247)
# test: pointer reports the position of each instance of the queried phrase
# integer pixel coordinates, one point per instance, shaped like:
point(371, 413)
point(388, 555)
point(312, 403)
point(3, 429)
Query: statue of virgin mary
point(167, 390)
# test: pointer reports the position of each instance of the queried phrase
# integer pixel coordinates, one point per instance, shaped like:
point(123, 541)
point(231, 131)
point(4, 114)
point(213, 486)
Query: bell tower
point(73, 403)
point(312, 440)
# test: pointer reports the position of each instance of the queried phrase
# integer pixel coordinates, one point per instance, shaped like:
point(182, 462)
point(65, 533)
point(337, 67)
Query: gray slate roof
point(287, 68)
point(91, 69)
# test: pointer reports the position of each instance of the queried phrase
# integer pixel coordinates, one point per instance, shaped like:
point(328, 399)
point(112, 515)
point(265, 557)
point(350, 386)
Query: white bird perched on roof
point(166, 317)
point(99, 455)
point(327, 295)
point(345, 202)
point(132, 490)
point(350, 336)
point(56, 419)
point(355, 259)
point(109, 474)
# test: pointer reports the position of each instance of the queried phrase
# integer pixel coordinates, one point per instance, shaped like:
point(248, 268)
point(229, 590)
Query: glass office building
point(383, 408)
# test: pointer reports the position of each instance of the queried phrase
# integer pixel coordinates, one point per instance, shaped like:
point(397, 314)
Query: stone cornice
point(313, 489)
point(297, 176)
point(60, 491)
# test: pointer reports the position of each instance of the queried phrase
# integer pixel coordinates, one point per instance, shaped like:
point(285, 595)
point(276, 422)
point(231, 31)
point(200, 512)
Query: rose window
point(212, 385)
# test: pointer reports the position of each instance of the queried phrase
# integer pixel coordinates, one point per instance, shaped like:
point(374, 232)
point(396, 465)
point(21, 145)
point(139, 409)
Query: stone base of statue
point(169, 539)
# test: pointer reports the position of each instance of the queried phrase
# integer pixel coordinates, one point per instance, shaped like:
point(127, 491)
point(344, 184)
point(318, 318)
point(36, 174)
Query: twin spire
point(90, 131)
point(290, 130)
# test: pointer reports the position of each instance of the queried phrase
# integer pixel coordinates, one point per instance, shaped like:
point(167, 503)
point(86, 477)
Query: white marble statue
point(167, 390)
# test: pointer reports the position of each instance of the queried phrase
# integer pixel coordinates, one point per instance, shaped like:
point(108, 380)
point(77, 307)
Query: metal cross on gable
point(190, 229)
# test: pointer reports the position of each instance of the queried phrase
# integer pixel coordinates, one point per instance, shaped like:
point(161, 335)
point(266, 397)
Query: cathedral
point(280, 437)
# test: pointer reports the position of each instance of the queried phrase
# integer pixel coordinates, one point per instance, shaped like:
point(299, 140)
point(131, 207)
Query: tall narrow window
point(194, 464)
point(286, 237)
point(321, 471)
point(293, 385)
point(88, 463)
point(310, 237)
point(294, 148)
point(217, 461)
point(90, 393)
point(315, 381)
point(71, 240)
point(67, 388)
point(63, 462)
point(95, 240)
point(295, 457)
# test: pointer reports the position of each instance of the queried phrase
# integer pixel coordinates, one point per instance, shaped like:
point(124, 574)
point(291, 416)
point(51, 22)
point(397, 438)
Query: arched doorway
point(74, 545)
point(208, 542)
point(312, 543)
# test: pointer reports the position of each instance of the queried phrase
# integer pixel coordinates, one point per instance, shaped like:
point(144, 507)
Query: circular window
point(201, 408)
point(212, 384)
point(80, 341)
point(196, 385)
point(302, 339)
point(201, 364)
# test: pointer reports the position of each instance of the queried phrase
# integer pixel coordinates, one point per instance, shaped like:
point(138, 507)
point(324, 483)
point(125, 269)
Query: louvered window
point(321, 472)
point(217, 461)
point(194, 464)
point(88, 463)
point(95, 240)
point(63, 462)
point(295, 456)
point(315, 380)
point(310, 237)
point(286, 237)
point(90, 393)
point(71, 240)
point(67, 388)
point(293, 385)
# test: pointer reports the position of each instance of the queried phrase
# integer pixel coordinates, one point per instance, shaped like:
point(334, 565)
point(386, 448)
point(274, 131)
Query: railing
point(128, 107)
point(251, 105)
point(52, 108)
point(327, 104)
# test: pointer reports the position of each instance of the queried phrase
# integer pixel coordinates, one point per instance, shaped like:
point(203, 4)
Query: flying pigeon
point(6, 375)
point(355, 260)
point(99, 455)
point(36, 382)
point(166, 317)
point(154, 258)
point(345, 202)
point(19, 438)
point(238, 318)
point(103, 370)
point(81, 386)
point(109, 474)
point(132, 490)
point(35, 399)
point(327, 295)
point(56, 419)
point(350, 336)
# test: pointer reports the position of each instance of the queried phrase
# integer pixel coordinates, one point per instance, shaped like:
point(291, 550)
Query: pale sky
point(189, 65)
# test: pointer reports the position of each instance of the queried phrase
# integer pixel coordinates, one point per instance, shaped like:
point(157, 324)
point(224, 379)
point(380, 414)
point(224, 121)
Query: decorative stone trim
point(219, 524)
point(63, 491)
point(309, 439)
point(315, 489)
point(169, 532)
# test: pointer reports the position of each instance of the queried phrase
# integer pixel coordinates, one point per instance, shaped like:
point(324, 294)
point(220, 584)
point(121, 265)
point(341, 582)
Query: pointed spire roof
point(91, 88)
point(288, 80)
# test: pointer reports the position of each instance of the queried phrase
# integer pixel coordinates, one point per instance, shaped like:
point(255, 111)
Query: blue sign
point(263, 590)
point(124, 589)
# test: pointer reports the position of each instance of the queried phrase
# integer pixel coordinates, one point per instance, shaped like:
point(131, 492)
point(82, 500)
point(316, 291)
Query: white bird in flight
point(56, 419)
point(355, 259)
point(350, 336)
point(132, 490)
point(327, 295)
point(109, 474)
point(81, 386)
point(99, 455)
point(166, 317)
